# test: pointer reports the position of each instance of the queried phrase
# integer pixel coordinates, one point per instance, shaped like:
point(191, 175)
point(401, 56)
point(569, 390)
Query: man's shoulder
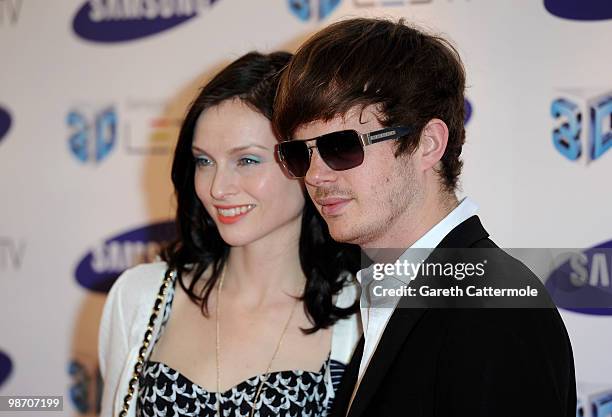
point(498, 260)
point(519, 316)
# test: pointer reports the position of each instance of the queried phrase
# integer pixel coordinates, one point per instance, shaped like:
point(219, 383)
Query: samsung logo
point(5, 123)
point(125, 20)
point(468, 111)
point(100, 267)
point(580, 10)
point(6, 367)
point(583, 282)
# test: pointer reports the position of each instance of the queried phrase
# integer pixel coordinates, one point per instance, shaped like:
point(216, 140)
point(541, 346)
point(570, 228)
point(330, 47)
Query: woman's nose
point(223, 185)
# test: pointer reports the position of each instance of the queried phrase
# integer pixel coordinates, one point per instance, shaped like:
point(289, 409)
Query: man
point(374, 112)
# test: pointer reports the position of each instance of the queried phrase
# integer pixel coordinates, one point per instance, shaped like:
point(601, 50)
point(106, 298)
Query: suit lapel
point(401, 323)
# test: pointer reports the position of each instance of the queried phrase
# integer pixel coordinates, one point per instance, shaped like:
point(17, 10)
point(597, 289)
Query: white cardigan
point(124, 320)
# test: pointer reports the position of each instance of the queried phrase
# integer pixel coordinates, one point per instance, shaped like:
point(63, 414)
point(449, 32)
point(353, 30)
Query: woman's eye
point(202, 161)
point(248, 160)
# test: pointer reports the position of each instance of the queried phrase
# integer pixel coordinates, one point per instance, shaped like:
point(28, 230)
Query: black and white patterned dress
point(163, 391)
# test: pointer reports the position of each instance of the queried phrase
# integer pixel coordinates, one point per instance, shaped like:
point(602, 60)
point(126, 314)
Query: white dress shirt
point(374, 319)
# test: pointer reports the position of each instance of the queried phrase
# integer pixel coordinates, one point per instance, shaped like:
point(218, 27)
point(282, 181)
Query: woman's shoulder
point(142, 276)
point(347, 331)
point(349, 292)
point(125, 312)
point(138, 284)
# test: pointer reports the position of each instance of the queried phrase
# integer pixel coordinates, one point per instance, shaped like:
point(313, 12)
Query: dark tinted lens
point(296, 157)
point(341, 150)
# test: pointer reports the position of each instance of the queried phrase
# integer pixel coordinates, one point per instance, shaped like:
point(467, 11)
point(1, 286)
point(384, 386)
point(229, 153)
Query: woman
point(261, 323)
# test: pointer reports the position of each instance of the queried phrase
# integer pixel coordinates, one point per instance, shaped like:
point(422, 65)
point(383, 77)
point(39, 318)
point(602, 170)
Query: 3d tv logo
point(307, 10)
point(583, 125)
point(94, 132)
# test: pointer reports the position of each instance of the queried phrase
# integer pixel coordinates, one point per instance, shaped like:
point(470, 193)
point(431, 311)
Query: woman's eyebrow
point(247, 146)
point(234, 150)
point(196, 149)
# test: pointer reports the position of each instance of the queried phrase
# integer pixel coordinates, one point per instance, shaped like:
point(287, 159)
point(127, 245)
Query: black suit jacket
point(465, 362)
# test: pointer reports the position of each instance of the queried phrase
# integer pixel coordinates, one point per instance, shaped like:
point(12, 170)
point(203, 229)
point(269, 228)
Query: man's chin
point(343, 233)
point(352, 233)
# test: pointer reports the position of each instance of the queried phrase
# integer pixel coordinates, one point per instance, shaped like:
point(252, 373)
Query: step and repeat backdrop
point(91, 98)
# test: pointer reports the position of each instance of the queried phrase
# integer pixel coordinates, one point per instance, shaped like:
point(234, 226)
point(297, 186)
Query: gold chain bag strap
point(169, 278)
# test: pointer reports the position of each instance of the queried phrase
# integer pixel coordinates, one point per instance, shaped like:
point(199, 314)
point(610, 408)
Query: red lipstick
point(232, 214)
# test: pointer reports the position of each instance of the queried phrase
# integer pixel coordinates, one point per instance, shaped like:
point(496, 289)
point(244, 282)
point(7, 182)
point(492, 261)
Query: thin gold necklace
point(266, 374)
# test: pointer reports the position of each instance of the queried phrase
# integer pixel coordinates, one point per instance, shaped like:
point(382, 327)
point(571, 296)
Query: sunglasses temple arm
point(364, 138)
point(278, 153)
point(403, 131)
point(398, 132)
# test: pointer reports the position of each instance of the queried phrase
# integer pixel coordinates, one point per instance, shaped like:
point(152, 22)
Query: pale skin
point(388, 202)
point(234, 147)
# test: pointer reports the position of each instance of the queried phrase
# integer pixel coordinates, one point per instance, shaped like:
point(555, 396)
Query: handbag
point(169, 277)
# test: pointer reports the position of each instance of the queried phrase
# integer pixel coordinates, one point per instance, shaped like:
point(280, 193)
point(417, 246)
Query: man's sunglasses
point(339, 150)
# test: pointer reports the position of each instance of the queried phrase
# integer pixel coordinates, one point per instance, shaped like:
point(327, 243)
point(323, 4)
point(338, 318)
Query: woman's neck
point(268, 269)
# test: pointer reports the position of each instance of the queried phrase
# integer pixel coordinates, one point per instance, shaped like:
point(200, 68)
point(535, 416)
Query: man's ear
point(432, 145)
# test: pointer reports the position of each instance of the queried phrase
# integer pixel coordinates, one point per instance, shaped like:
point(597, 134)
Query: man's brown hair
point(410, 76)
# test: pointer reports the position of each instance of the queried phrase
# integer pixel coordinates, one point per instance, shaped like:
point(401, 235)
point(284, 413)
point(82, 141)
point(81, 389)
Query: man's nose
point(319, 172)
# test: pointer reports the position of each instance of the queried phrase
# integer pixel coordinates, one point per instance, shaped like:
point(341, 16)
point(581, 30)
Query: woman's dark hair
point(252, 78)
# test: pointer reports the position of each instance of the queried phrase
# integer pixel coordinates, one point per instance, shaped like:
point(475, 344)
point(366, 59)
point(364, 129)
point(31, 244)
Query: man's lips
point(332, 206)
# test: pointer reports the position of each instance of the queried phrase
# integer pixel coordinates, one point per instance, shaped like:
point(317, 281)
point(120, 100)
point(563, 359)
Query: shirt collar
point(466, 209)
